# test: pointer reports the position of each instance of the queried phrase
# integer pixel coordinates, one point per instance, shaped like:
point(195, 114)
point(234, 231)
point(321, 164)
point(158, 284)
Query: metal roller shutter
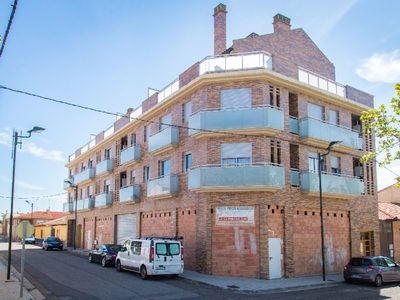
point(126, 227)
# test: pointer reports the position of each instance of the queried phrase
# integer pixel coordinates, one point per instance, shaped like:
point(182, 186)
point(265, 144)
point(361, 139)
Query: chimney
point(219, 29)
point(281, 23)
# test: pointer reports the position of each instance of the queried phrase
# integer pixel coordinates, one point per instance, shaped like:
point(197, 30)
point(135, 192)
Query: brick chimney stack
point(281, 23)
point(219, 29)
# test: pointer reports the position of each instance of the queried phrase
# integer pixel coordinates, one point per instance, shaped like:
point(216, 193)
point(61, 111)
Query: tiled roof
point(41, 215)
point(59, 221)
point(389, 211)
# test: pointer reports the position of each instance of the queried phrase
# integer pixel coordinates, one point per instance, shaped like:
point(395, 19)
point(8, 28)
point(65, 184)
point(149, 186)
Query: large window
point(235, 98)
point(165, 167)
point(107, 153)
point(146, 173)
point(123, 179)
point(312, 161)
point(238, 154)
point(107, 186)
point(315, 111)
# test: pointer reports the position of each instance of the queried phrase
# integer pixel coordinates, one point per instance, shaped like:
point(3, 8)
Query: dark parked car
point(375, 269)
point(52, 242)
point(104, 254)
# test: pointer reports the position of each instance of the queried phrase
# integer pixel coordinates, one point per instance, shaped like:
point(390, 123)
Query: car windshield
point(359, 261)
point(54, 239)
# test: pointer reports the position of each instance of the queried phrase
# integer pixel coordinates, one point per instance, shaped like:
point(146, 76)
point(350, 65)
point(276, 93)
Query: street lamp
point(320, 156)
point(71, 184)
point(15, 142)
point(31, 204)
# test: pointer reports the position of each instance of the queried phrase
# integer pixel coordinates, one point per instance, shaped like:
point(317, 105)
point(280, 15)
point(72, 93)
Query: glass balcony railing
point(235, 62)
point(129, 193)
point(321, 82)
point(163, 187)
point(104, 166)
point(220, 177)
point(86, 203)
point(319, 130)
point(104, 199)
point(68, 183)
point(294, 177)
point(265, 117)
point(68, 207)
point(131, 155)
point(294, 125)
point(335, 185)
point(88, 174)
point(166, 138)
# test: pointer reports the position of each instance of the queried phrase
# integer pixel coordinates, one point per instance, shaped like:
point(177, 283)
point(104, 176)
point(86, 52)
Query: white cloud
point(383, 67)
point(27, 186)
point(40, 152)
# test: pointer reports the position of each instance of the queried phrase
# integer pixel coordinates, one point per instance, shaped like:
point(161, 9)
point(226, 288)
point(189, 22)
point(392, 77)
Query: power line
point(8, 26)
point(35, 197)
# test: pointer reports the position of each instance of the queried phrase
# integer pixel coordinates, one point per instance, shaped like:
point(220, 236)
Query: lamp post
point(71, 184)
point(320, 157)
point(15, 142)
point(31, 204)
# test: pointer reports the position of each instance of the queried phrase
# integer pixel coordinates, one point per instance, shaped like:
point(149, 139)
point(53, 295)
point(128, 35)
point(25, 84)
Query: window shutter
point(235, 98)
point(187, 111)
point(165, 121)
point(315, 111)
point(235, 150)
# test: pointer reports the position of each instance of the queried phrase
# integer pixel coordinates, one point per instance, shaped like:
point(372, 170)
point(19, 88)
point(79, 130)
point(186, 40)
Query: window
point(83, 193)
point(146, 173)
point(83, 167)
point(146, 133)
point(165, 167)
point(365, 243)
point(133, 175)
point(123, 179)
point(237, 154)
point(187, 111)
point(90, 191)
point(334, 117)
point(335, 165)
point(165, 121)
point(124, 142)
point(90, 164)
point(136, 248)
point(315, 111)
point(133, 139)
point(107, 186)
point(312, 161)
point(187, 161)
point(235, 98)
point(276, 152)
point(107, 153)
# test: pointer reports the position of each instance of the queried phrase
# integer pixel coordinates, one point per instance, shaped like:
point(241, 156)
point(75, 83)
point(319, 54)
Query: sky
point(106, 54)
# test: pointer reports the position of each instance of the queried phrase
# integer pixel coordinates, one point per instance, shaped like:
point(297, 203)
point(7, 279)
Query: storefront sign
point(235, 215)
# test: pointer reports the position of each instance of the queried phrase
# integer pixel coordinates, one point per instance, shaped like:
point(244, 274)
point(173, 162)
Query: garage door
point(126, 227)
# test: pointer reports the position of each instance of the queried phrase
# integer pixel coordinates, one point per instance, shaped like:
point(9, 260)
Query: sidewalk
point(253, 285)
point(10, 290)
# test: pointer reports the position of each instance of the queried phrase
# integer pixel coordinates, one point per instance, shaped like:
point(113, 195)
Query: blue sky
point(106, 54)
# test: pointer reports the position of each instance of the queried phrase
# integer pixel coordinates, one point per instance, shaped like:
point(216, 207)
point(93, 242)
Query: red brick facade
point(287, 215)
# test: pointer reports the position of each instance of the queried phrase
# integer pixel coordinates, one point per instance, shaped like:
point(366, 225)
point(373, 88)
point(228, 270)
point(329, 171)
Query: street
point(65, 275)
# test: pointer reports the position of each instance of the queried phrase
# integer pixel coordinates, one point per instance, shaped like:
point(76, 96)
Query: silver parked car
point(374, 269)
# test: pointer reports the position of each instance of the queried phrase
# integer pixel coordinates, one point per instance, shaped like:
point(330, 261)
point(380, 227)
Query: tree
point(386, 128)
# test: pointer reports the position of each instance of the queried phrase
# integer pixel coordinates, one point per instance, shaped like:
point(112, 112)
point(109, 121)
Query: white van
point(151, 256)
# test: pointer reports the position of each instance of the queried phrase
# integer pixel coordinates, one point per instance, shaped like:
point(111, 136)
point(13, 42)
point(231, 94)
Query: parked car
point(30, 240)
point(104, 254)
point(52, 242)
point(151, 256)
point(374, 269)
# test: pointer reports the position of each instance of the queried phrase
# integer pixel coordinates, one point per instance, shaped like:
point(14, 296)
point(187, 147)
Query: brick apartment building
point(227, 157)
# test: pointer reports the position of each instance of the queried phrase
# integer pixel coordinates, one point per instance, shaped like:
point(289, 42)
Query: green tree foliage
point(386, 127)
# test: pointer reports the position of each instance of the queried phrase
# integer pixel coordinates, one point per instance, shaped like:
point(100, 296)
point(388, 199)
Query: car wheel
point(143, 273)
point(119, 267)
point(90, 258)
point(378, 280)
point(104, 262)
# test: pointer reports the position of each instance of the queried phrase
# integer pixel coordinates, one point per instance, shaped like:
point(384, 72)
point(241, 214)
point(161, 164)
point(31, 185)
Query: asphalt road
point(67, 276)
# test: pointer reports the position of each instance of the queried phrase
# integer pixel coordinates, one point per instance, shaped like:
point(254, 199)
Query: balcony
point(230, 62)
point(104, 166)
point(333, 185)
point(68, 207)
point(260, 177)
point(104, 199)
point(86, 203)
point(164, 140)
point(263, 120)
point(84, 176)
point(294, 177)
point(129, 193)
point(321, 82)
point(69, 183)
point(317, 133)
point(131, 155)
point(163, 187)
